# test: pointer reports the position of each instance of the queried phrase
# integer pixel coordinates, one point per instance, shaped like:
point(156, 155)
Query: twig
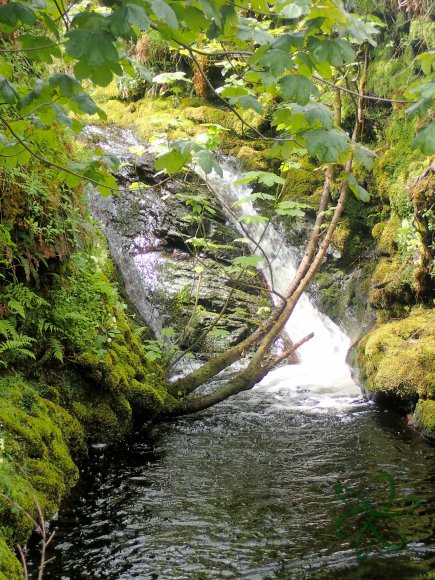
point(289, 351)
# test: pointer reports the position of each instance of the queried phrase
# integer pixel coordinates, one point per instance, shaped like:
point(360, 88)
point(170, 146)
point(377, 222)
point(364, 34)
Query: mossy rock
point(424, 417)
point(223, 117)
point(10, 568)
point(399, 357)
point(304, 185)
point(390, 283)
point(251, 159)
point(387, 245)
point(38, 469)
point(342, 236)
point(152, 116)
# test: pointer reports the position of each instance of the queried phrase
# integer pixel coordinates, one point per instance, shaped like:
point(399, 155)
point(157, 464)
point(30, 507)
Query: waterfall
point(322, 379)
point(322, 367)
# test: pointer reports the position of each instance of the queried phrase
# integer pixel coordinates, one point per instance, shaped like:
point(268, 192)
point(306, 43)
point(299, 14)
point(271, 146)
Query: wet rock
point(148, 228)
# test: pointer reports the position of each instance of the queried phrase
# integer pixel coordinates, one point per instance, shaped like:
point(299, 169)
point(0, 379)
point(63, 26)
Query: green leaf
point(85, 104)
point(294, 9)
point(8, 93)
point(277, 60)
point(336, 51)
point(39, 47)
point(327, 145)
point(365, 156)
point(94, 47)
point(6, 69)
point(232, 91)
point(170, 77)
point(66, 84)
point(172, 161)
point(291, 208)
point(265, 177)
point(289, 41)
point(17, 308)
point(168, 332)
point(15, 14)
point(359, 191)
point(211, 11)
point(192, 17)
point(247, 261)
point(106, 180)
point(426, 91)
point(248, 102)
point(252, 197)
point(298, 118)
point(207, 162)
point(163, 11)
point(60, 115)
point(254, 33)
point(305, 63)
point(297, 88)
point(425, 140)
point(427, 61)
point(121, 20)
point(99, 75)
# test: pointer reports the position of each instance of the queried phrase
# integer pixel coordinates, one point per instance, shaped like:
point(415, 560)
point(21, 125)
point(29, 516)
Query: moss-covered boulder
point(251, 159)
point(10, 568)
point(37, 469)
point(424, 417)
point(398, 358)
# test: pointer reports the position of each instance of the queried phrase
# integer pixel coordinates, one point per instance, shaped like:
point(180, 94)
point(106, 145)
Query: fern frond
point(45, 326)
point(56, 348)
point(16, 344)
point(7, 329)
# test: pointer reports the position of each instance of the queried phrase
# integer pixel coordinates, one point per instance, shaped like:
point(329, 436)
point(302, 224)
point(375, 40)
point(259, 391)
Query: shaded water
point(247, 491)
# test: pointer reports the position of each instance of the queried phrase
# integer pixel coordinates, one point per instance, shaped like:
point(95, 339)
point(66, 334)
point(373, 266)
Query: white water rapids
point(322, 379)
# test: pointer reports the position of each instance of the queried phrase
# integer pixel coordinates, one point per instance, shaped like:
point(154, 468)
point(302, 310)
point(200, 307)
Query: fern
point(44, 326)
point(7, 329)
point(14, 345)
point(16, 348)
point(56, 348)
point(19, 298)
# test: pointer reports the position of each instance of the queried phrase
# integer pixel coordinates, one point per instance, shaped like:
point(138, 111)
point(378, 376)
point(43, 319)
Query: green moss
point(422, 28)
point(304, 185)
point(150, 117)
point(39, 468)
point(251, 159)
point(390, 71)
point(387, 245)
point(342, 235)
point(390, 283)
point(399, 357)
point(223, 117)
point(10, 568)
point(331, 294)
point(425, 417)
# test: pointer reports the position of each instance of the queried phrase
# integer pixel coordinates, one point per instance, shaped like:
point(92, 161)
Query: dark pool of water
point(247, 491)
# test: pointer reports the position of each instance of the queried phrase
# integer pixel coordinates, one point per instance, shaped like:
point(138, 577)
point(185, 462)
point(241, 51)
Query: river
point(248, 489)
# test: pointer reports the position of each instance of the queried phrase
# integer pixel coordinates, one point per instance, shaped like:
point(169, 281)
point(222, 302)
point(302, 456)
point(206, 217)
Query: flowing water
point(248, 489)
point(322, 369)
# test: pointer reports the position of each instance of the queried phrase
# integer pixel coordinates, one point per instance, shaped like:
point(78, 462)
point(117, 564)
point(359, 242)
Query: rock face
point(169, 282)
